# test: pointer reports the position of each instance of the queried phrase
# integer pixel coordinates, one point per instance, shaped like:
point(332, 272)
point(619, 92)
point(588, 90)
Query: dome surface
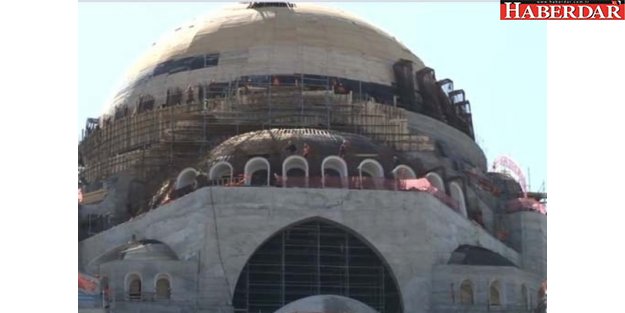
point(148, 250)
point(326, 304)
point(244, 40)
point(273, 144)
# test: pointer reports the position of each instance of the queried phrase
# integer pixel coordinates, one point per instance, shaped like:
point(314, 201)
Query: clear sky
point(501, 65)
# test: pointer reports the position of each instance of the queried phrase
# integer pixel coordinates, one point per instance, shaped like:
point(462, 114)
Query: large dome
point(252, 39)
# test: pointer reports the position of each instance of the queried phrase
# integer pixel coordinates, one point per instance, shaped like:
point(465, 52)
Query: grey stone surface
point(219, 228)
point(182, 277)
point(459, 144)
point(448, 277)
point(326, 304)
point(528, 232)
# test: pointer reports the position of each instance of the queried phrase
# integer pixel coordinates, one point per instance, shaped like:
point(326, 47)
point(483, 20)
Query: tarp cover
point(88, 284)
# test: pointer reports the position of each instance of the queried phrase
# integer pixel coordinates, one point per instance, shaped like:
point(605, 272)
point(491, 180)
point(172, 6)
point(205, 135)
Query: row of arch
point(297, 166)
point(257, 172)
point(331, 165)
point(495, 296)
point(135, 290)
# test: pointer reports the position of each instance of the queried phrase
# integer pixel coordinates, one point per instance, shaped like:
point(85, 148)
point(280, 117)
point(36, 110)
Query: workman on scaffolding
point(343, 148)
point(306, 150)
point(291, 148)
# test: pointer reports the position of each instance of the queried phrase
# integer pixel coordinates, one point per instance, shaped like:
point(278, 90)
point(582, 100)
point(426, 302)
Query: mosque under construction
point(279, 157)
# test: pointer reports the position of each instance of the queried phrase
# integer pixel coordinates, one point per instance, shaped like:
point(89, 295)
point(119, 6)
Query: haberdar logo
point(562, 10)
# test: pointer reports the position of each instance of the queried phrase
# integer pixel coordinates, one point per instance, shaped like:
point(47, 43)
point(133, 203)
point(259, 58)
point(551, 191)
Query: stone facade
point(215, 230)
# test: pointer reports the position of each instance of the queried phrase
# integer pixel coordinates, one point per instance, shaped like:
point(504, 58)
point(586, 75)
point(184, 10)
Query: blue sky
point(501, 65)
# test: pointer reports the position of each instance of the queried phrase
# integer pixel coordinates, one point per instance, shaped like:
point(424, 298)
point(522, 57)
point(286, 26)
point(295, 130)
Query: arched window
point(174, 96)
point(257, 171)
point(524, 300)
point(371, 174)
point(133, 287)
point(146, 103)
point(220, 173)
point(312, 258)
point(334, 172)
point(456, 193)
point(295, 167)
point(494, 297)
point(186, 178)
point(163, 287)
point(436, 181)
point(466, 292)
point(404, 172)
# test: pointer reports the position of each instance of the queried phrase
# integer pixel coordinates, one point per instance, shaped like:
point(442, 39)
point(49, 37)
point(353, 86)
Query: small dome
point(509, 187)
point(326, 304)
point(274, 145)
point(148, 250)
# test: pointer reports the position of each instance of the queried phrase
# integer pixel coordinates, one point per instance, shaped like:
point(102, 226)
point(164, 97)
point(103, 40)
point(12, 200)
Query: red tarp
point(528, 204)
point(88, 284)
point(423, 184)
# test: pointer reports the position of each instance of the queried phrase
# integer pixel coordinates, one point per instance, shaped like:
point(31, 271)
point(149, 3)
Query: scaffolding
point(176, 133)
point(314, 258)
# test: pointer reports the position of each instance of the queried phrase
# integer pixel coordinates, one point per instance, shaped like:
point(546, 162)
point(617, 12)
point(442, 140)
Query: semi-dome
point(148, 250)
point(327, 304)
point(315, 145)
point(507, 185)
point(254, 39)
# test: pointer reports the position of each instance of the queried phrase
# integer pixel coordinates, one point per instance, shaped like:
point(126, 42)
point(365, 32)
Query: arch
point(375, 172)
point(146, 103)
point(174, 96)
point(404, 172)
point(186, 178)
point(294, 162)
point(494, 293)
point(153, 248)
point(162, 286)
point(474, 255)
point(436, 181)
point(312, 257)
point(256, 166)
point(133, 285)
point(336, 164)
point(466, 292)
point(455, 191)
point(221, 170)
point(147, 249)
point(524, 298)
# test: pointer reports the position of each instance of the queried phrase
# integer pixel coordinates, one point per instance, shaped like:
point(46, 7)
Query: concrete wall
point(510, 279)
point(528, 232)
point(181, 274)
point(222, 227)
point(458, 144)
point(114, 203)
point(182, 279)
